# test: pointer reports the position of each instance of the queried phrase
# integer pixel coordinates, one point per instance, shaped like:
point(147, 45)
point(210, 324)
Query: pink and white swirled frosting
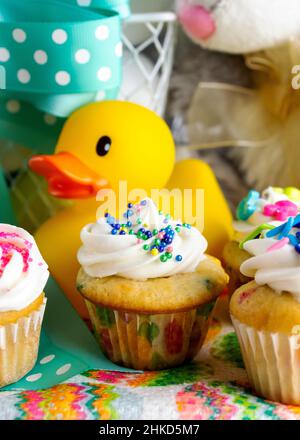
point(23, 272)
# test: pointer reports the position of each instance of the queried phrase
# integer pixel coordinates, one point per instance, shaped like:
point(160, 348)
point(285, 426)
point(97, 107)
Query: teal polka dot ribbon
point(120, 6)
point(57, 55)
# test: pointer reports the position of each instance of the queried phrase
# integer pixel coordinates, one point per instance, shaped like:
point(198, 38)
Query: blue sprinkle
point(111, 220)
point(286, 227)
point(148, 234)
point(117, 225)
point(122, 233)
point(114, 231)
point(130, 205)
point(178, 258)
point(144, 202)
point(129, 224)
point(283, 230)
point(106, 214)
point(297, 248)
point(129, 213)
point(273, 232)
point(297, 221)
point(298, 235)
point(161, 248)
point(293, 239)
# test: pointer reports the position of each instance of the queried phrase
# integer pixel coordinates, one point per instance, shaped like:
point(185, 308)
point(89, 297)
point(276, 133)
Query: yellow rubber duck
point(100, 145)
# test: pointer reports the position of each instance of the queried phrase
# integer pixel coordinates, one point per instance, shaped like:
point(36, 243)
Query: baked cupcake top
point(273, 205)
point(145, 244)
point(275, 257)
point(23, 272)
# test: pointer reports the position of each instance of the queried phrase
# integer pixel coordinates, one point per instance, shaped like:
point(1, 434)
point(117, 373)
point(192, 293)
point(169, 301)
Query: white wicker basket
point(149, 41)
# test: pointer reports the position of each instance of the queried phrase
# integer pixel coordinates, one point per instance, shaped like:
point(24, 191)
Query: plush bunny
point(266, 33)
point(240, 26)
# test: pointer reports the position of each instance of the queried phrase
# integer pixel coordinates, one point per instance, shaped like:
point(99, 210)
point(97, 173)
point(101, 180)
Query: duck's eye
point(103, 146)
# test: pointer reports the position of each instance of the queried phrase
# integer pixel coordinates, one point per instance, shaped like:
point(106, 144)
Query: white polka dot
point(100, 95)
point(40, 57)
point(4, 54)
point(102, 32)
point(64, 369)
point(47, 359)
point(82, 56)
point(24, 76)
point(19, 35)
point(104, 74)
point(59, 36)
point(13, 106)
point(119, 49)
point(84, 2)
point(34, 377)
point(62, 78)
point(49, 119)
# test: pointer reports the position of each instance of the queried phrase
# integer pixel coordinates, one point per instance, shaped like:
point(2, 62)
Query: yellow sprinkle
point(146, 225)
point(154, 252)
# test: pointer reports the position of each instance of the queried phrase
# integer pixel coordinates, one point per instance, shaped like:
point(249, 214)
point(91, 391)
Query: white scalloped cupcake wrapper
point(272, 361)
point(19, 343)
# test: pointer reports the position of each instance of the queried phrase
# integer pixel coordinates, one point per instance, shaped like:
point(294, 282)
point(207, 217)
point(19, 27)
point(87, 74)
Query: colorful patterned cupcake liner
point(150, 342)
point(272, 362)
point(19, 343)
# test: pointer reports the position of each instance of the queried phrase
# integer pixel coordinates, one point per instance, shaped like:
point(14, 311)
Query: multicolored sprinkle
point(283, 233)
point(157, 241)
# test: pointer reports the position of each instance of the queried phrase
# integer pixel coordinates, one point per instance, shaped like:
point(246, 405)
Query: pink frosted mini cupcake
point(23, 276)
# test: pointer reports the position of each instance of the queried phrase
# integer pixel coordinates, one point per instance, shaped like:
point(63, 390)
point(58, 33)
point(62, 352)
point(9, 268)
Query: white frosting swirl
point(23, 272)
point(104, 254)
point(279, 269)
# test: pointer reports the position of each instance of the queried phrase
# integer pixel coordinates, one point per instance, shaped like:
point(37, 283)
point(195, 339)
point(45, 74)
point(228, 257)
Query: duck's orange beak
point(67, 176)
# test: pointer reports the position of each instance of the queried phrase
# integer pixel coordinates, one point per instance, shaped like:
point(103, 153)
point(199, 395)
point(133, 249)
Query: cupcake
point(266, 313)
point(149, 287)
point(23, 276)
point(273, 205)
